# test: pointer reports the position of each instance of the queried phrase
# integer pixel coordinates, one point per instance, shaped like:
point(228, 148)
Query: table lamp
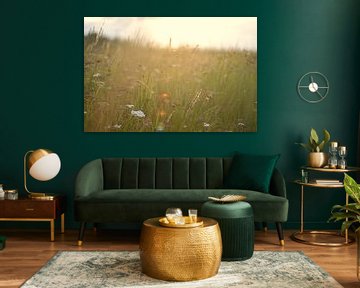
point(43, 165)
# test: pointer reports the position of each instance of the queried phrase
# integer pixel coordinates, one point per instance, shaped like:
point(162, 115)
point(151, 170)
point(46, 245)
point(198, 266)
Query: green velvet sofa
point(130, 190)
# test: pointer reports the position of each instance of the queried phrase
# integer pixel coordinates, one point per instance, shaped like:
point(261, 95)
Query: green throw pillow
point(251, 172)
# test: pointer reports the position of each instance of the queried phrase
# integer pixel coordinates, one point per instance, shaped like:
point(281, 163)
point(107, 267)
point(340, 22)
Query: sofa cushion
point(266, 207)
point(251, 172)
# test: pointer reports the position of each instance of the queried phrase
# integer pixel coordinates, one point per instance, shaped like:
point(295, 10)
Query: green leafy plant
point(349, 214)
point(314, 144)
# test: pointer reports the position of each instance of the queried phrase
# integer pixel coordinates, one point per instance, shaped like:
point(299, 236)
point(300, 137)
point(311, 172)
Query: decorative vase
point(317, 159)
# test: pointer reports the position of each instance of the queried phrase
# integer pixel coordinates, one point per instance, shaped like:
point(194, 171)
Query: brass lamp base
point(41, 196)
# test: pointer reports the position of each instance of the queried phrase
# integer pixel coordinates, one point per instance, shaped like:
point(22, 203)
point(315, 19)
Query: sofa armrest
point(89, 179)
point(277, 184)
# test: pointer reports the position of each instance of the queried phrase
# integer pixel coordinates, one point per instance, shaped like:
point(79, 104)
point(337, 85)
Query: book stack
point(327, 181)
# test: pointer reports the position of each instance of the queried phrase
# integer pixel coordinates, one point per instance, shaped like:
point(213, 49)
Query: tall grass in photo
point(134, 85)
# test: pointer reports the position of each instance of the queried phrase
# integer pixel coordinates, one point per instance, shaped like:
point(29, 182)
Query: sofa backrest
point(165, 173)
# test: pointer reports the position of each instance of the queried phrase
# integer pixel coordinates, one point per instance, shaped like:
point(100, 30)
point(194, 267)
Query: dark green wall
point(42, 90)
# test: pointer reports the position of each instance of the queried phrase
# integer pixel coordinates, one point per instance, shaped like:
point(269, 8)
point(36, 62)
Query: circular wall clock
point(313, 87)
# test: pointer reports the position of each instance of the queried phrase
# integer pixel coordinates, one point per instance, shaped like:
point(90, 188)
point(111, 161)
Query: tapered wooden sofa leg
point(81, 233)
point(280, 233)
point(265, 227)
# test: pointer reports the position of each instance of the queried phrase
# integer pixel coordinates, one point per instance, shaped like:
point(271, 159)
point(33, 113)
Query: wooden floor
point(28, 250)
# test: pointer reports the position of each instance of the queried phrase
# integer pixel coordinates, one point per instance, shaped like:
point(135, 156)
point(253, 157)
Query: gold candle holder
point(333, 163)
point(342, 154)
point(342, 150)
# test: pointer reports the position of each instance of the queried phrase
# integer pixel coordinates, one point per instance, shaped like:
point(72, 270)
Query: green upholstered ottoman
point(236, 221)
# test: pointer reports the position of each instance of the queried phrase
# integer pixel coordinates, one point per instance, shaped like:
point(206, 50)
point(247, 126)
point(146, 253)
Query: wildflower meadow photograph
point(170, 74)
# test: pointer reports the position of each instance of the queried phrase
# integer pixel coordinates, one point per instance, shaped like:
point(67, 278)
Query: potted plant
point(317, 157)
point(350, 213)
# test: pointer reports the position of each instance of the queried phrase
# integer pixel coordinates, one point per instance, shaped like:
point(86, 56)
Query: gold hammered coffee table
point(180, 254)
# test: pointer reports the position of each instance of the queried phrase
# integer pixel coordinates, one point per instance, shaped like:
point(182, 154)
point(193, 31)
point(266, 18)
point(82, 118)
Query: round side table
point(180, 254)
point(310, 236)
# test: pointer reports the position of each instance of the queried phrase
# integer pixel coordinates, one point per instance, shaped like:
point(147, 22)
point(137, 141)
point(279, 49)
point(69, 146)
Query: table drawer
point(28, 209)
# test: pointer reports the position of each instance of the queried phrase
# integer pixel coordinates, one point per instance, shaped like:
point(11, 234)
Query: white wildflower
point(85, 112)
point(100, 83)
point(138, 113)
point(117, 126)
point(96, 75)
point(206, 124)
point(129, 106)
point(241, 124)
point(160, 127)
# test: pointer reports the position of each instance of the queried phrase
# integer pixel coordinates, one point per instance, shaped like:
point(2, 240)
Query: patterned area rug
point(122, 269)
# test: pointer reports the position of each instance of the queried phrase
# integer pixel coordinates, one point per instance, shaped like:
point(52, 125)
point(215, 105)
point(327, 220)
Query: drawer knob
point(29, 209)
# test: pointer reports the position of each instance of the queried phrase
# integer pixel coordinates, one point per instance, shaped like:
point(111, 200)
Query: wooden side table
point(26, 209)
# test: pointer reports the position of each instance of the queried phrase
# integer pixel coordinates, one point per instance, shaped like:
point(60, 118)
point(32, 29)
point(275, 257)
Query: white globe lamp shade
point(44, 164)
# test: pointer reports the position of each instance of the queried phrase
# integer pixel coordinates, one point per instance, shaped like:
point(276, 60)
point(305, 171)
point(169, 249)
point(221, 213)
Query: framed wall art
point(170, 74)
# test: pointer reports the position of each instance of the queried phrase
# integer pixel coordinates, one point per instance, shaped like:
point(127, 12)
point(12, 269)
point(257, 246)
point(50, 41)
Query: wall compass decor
point(313, 87)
